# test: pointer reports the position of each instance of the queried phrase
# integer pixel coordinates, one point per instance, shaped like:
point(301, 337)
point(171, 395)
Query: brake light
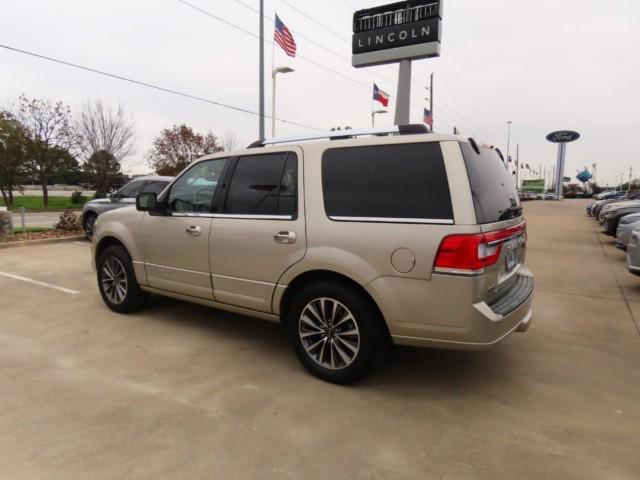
point(471, 254)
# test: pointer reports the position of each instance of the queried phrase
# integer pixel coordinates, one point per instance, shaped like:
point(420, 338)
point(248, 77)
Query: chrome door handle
point(194, 230)
point(284, 237)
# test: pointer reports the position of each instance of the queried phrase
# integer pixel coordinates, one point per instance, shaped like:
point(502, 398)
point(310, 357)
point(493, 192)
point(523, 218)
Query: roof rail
point(342, 134)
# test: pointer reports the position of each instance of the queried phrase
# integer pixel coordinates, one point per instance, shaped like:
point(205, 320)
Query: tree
point(229, 141)
point(103, 129)
point(177, 147)
point(49, 137)
point(12, 157)
point(104, 166)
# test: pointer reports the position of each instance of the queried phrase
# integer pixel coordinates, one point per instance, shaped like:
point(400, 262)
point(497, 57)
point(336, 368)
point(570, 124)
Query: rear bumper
point(436, 314)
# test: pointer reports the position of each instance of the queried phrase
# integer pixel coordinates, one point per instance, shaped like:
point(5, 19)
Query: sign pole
point(433, 117)
point(403, 96)
point(560, 170)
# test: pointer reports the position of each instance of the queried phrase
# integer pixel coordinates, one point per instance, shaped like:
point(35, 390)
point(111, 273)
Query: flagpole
point(273, 86)
point(261, 72)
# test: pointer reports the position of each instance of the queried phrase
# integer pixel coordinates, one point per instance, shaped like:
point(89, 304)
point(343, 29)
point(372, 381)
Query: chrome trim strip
point(232, 215)
point(437, 221)
point(253, 217)
point(176, 269)
point(243, 280)
point(458, 271)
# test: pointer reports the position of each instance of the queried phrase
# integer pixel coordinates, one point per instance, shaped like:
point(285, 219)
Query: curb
point(42, 241)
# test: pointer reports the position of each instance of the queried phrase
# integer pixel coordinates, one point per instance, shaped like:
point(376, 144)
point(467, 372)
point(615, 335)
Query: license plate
point(510, 256)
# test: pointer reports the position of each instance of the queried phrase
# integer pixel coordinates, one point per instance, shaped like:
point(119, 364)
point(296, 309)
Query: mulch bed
point(19, 237)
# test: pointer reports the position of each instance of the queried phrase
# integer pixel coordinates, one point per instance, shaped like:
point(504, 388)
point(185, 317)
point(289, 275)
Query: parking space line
point(84, 244)
point(37, 282)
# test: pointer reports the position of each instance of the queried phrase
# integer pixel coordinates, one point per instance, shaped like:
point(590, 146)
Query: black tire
point(88, 223)
point(338, 368)
point(609, 227)
point(116, 260)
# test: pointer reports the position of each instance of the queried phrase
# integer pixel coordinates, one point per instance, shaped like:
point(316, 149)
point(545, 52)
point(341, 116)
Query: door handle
point(284, 237)
point(194, 230)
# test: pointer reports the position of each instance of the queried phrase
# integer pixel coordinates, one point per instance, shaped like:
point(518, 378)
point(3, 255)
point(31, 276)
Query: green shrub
point(77, 198)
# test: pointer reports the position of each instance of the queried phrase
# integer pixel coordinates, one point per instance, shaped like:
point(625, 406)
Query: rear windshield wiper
point(511, 212)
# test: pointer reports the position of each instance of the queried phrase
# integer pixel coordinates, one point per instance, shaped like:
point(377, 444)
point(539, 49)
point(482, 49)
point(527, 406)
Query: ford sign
point(563, 136)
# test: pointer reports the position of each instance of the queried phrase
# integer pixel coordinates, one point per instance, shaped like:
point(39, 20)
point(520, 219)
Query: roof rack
point(343, 134)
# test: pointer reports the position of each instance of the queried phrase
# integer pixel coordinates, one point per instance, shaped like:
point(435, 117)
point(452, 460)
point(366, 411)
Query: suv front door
point(259, 230)
point(175, 243)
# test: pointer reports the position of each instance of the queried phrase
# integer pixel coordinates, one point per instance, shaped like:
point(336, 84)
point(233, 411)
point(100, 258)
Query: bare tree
point(50, 136)
point(103, 129)
point(229, 141)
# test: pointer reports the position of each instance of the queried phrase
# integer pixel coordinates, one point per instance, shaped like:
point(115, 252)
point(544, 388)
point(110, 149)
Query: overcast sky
point(545, 65)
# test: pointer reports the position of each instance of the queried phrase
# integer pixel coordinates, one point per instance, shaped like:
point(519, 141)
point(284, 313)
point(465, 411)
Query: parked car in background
point(626, 226)
point(443, 264)
point(126, 196)
point(618, 196)
point(633, 252)
point(549, 196)
point(612, 217)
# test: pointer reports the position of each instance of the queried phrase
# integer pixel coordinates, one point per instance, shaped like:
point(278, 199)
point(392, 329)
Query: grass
point(31, 229)
point(32, 202)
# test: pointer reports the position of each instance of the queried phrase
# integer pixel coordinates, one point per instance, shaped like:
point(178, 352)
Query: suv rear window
point(492, 188)
point(405, 182)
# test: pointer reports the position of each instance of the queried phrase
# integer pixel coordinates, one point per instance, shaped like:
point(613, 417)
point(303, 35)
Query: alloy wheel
point(329, 333)
point(114, 280)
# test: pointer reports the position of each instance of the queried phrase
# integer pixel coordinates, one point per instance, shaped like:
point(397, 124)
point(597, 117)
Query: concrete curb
point(42, 241)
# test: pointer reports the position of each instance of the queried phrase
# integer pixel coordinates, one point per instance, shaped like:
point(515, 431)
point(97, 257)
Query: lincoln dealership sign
point(402, 30)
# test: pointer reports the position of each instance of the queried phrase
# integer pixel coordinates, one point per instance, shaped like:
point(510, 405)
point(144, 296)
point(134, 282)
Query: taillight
point(471, 254)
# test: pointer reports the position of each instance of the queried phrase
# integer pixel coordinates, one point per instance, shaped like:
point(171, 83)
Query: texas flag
point(380, 95)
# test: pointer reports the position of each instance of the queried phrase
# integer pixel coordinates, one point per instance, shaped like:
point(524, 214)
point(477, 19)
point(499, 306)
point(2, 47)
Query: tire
point(340, 345)
point(122, 294)
point(88, 224)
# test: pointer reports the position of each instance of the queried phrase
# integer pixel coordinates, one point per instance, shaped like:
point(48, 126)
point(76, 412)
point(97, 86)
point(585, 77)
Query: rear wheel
point(335, 331)
point(117, 282)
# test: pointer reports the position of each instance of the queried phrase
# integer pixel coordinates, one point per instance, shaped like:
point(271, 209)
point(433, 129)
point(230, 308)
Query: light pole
point(274, 72)
point(373, 116)
point(509, 122)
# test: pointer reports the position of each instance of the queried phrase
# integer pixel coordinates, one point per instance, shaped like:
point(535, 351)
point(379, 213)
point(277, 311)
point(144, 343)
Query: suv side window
point(264, 185)
point(155, 186)
point(131, 189)
point(195, 189)
point(395, 183)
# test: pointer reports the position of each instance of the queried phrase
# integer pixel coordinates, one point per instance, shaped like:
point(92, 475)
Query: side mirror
point(146, 202)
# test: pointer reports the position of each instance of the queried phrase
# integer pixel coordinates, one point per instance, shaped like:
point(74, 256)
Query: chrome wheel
point(114, 280)
point(329, 333)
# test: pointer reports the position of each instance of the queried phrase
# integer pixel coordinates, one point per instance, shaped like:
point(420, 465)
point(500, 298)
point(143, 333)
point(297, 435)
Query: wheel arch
point(313, 276)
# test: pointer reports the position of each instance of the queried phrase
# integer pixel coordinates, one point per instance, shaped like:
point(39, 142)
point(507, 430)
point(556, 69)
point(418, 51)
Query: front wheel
point(117, 282)
point(335, 331)
point(88, 224)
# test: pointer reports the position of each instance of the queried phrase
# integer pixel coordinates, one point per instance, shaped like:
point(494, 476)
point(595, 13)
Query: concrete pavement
point(182, 391)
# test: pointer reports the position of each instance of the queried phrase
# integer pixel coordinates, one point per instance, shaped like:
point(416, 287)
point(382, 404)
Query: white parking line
point(36, 282)
point(84, 244)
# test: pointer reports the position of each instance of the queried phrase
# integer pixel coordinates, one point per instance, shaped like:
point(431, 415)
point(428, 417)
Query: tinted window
point(155, 186)
point(194, 190)
point(407, 181)
point(264, 185)
point(131, 189)
point(492, 187)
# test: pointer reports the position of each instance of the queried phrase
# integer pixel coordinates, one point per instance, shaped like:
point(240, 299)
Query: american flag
point(283, 37)
point(428, 117)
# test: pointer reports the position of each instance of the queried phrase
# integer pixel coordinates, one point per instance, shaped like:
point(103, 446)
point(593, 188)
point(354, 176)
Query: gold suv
point(351, 239)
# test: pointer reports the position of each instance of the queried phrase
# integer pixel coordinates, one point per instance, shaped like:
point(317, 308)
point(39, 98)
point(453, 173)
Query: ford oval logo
point(563, 136)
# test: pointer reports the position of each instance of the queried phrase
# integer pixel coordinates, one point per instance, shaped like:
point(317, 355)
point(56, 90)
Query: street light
point(509, 122)
point(274, 72)
point(373, 116)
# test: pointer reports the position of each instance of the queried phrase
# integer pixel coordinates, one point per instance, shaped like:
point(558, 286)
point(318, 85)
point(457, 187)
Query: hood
point(623, 204)
point(99, 200)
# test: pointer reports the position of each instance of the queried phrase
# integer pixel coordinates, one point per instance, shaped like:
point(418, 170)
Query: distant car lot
point(180, 390)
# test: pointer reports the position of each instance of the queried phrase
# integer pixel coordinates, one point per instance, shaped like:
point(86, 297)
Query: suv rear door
point(258, 229)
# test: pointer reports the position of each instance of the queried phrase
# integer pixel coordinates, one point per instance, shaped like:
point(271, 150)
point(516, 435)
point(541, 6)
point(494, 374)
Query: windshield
point(492, 187)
